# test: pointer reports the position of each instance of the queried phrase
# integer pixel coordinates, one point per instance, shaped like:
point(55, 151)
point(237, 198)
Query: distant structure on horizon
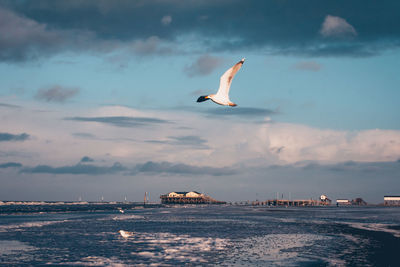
point(323, 201)
point(343, 202)
point(354, 202)
point(191, 197)
point(391, 200)
point(358, 202)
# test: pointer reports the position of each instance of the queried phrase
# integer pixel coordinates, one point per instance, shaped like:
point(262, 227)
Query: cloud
point(308, 66)
point(352, 166)
point(23, 37)
point(337, 27)
point(166, 167)
point(204, 65)
point(166, 20)
point(56, 26)
point(152, 45)
point(56, 93)
point(8, 105)
point(11, 165)
point(148, 167)
point(86, 159)
point(188, 140)
point(240, 112)
point(84, 135)
point(277, 150)
point(121, 121)
point(193, 138)
point(13, 137)
point(306, 143)
point(28, 39)
point(77, 169)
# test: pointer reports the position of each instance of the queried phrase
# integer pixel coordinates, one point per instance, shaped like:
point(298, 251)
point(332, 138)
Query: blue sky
point(117, 81)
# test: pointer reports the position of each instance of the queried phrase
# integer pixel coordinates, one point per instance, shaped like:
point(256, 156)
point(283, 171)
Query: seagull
point(222, 96)
point(125, 234)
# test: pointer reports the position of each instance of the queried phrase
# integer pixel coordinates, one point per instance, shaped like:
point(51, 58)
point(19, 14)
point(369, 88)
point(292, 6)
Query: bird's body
point(222, 95)
point(125, 234)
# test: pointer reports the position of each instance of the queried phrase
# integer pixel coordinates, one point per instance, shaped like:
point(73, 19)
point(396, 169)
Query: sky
point(98, 98)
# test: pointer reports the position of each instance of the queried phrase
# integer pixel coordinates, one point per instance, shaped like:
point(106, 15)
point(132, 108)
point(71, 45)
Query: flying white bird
point(125, 234)
point(222, 96)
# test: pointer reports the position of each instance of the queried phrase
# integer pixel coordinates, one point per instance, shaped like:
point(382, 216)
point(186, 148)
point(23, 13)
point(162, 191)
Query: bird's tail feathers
point(203, 98)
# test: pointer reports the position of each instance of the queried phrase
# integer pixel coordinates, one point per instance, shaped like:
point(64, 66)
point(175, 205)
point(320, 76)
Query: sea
point(105, 234)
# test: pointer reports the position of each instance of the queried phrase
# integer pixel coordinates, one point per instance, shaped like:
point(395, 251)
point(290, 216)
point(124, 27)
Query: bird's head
point(203, 98)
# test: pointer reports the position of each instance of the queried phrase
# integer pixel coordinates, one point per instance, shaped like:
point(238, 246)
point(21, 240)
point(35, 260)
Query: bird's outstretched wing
point(226, 79)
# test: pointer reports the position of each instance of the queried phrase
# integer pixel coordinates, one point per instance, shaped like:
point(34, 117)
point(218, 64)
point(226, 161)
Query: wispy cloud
point(121, 121)
point(152, 45)
point(77, 169)
point(11, 165)
point(56, 93)
point(337, 27)
point(166, 20)
point(187, 140)
point(86, 159)
point(9, 105)
point(167, 167)
point(13, 137)
point(84, 135)
point(204, 65)
point(308, 66)
point(240, 112)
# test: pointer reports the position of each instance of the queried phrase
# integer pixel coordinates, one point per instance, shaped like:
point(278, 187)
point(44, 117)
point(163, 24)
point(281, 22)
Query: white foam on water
point(14, 247)
point(274, 248)
point(20, 226)
point(147, 254)
point(379, 227)
point(165, 211)
point(351, 244)
point(168, 246)
point(128, 217)
point(96, 261)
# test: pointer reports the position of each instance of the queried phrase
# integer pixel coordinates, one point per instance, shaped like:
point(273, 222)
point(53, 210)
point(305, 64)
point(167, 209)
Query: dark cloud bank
point(149, 167)
point(10, 165)
point(42, 27)
point(4, 137)
point(79, 168)
point(84, 167)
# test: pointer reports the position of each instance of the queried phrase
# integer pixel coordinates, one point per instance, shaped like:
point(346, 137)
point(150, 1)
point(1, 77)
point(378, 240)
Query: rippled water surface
point(202, 235)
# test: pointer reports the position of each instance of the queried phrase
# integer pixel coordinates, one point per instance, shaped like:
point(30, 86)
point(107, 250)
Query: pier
point(192, 197)
point(291, 203)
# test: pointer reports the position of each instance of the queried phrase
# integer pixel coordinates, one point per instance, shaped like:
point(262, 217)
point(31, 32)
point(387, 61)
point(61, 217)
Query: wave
point(19, 226)
point(378, 227)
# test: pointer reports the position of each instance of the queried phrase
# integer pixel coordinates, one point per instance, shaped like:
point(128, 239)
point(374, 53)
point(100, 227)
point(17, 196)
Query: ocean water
point(199, 236)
